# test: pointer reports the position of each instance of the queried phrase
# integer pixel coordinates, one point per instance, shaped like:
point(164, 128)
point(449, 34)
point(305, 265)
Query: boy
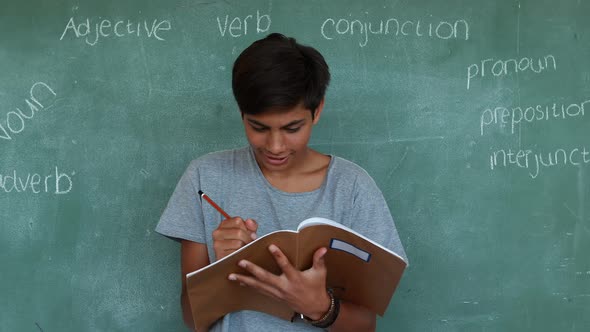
point(275, 183)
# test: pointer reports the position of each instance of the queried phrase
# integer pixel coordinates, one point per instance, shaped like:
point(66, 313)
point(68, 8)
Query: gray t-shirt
point(234, 181)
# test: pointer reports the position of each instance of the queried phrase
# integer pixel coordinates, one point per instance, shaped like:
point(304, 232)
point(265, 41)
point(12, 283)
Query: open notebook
point(359, 271)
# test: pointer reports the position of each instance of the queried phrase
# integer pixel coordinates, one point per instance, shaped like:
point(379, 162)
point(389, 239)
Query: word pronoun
point(503, 116)
point(505, 67)
point(238, 26)
point(109, 28)
point(338, 28)
point(14, 123)
point(58, 183)
point(529, 159)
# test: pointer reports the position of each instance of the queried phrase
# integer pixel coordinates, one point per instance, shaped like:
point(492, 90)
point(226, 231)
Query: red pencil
point(214, 205)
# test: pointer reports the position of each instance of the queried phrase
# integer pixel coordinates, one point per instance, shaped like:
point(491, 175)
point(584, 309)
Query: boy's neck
point(307, 175)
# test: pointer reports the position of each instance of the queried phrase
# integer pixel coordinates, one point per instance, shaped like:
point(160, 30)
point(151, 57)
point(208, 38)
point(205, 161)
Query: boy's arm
point(193, 257)
point(354, 318)
point(231, 235)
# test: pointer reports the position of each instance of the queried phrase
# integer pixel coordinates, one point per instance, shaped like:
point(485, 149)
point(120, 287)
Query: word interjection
point(106, 28)
point(535, 161)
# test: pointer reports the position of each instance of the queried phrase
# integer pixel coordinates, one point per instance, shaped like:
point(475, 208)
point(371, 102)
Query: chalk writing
point(336, 28)
point(239, 27)
point(504, 116)
point(41, 96)
point(106, 28)
point(58, 183)
point(535, 161)
point(498, 68)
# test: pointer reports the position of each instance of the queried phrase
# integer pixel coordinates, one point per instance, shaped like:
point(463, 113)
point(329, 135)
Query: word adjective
point(14, 123)
point(108, 28)
point(238, 27)
point(529, 159)
point(502, 116)
point(333, 28)
point(505, 67)
point(60, 184)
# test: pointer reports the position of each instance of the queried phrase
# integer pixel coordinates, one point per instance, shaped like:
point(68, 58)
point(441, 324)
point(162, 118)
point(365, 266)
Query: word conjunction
point(337, 28)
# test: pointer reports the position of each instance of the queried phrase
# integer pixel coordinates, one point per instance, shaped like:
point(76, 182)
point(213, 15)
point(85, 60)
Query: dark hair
point(277, 72)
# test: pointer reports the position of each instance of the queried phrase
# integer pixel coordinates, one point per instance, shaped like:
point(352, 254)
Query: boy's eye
point(263, 129)
point(259, 129)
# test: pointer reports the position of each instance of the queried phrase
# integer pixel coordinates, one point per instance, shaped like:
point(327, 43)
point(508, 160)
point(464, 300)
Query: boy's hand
point(303, 291)
point(232, 234)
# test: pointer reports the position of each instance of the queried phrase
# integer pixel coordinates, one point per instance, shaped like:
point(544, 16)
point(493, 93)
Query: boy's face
point(279, 138)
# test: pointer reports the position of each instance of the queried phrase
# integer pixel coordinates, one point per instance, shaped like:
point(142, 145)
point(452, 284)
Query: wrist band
point(329, 317)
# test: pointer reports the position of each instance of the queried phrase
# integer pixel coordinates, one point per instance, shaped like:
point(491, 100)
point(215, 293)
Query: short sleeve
point(183, 217)
point(371, 215)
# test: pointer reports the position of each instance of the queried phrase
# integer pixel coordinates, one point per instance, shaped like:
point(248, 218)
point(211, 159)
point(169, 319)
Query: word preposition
point(511, 117)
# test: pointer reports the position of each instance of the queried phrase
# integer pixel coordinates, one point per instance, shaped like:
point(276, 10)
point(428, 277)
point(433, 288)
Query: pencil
point(213, 204)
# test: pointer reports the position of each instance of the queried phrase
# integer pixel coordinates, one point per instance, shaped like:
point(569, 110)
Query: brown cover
point(367, 283)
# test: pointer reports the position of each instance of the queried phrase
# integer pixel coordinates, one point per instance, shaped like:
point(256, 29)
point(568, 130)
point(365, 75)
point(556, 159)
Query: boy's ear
point(318, 111)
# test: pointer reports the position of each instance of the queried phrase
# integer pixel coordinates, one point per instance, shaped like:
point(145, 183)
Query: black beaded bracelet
point(329, 317)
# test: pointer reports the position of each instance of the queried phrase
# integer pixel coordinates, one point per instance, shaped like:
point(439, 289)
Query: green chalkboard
point(472, 116)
